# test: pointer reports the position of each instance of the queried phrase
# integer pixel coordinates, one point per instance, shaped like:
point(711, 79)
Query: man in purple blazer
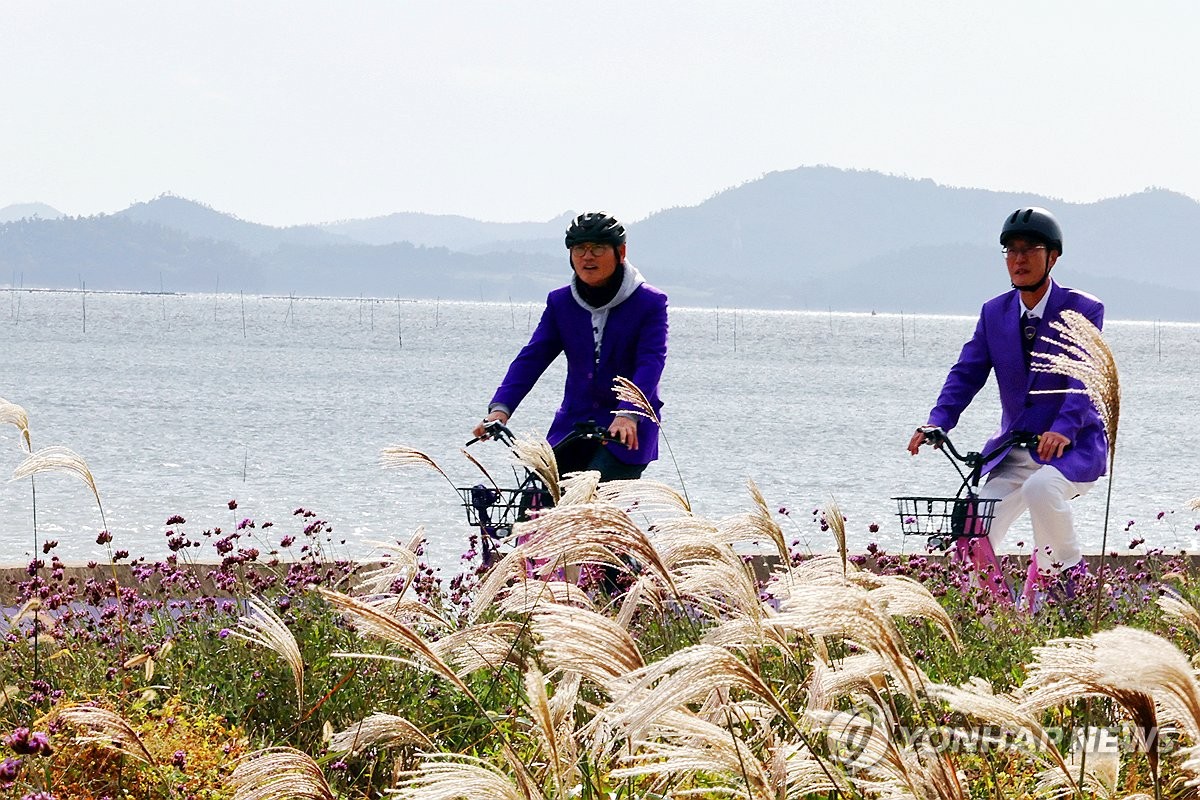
point(609, 322)
point(1072, 447)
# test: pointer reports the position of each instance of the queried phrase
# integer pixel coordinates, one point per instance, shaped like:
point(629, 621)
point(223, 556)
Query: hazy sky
point(305, 111)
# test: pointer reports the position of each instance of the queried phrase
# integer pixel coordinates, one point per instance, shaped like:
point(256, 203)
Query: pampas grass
point(628, 392)
point(279, 773)
point(13, 414)
point(401, 457)
point(537, 456)
point(1087, 358)
point(263, 627)
point(64, 460)
point(448, 776)
point(378, 730)
point(585, 642)
point(108, 730)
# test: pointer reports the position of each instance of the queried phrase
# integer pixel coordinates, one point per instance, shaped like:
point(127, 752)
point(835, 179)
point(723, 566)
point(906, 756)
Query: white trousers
point(1020, 483)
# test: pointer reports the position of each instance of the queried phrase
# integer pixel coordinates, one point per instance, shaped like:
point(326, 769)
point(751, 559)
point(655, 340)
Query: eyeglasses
point(1017, 252)
point(596, 250)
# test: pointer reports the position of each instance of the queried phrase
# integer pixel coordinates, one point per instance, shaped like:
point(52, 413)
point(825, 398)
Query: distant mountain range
point(808, 238)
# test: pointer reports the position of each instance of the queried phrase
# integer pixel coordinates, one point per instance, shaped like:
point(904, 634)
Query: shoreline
point(12, 575)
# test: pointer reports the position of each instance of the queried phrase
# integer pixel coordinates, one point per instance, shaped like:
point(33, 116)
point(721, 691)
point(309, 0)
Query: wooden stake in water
point(903, 343)
point(84, 293)
point(243, 297)
point(399, 330)
point(512, 312)
point(437, 310)
point(216, 291)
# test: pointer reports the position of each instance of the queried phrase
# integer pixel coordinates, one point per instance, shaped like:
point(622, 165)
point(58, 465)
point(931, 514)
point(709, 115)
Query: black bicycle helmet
point(1033, 222)
point(595, 227)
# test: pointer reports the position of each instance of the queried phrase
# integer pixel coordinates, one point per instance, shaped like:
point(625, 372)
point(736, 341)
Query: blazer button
point(595, 405)
point(590, 376)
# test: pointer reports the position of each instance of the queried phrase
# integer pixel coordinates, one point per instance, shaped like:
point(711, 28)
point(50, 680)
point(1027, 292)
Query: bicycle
point(495, 510)
point(964, 520)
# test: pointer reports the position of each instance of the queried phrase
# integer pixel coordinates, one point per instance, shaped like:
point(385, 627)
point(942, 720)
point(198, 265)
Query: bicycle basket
point(488, 507)
point(946, 518)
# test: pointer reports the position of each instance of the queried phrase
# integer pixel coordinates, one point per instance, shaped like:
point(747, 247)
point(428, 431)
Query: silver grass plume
point(524, 597)
point(370, 621)
point(57, 459)
point(399, 564)
point(378, 730)
point(860, 674)
point(644, 495)
point(107, 730)
point(13, 414)
point(898, 595)
point(980, 702)
point(1101, 770)
point(579, 488)
point(721, 588)
point(628, 392)
point(509, 570)
point(846, 612)
point(686, 676)
point(682, 539)
point(695, 747)
point(1087, 358)
point(536, 455)
point(400, 457)
point(585, 642)
point(837, 525)
point(1125, 664)
point(756, 525)
point(449, 776)
point(643, 592)
point(556, 740)
point(263, 627)
point(571, 534)
point(279, 773)
point(489, 645)
point(880, 765)
point(1144, 673)
point(1179, 609)
point(748, 634)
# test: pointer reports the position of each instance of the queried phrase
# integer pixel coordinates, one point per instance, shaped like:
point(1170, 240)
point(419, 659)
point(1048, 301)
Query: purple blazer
point(996, 346)
point(634, 346)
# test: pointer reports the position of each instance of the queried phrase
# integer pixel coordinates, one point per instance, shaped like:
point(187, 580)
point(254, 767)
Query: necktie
point(1029, 328)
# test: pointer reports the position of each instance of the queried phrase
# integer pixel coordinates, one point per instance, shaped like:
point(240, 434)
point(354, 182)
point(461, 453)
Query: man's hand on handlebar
point(624, 430)
point(1051, 445)
point(480, 430)
point(925, 433)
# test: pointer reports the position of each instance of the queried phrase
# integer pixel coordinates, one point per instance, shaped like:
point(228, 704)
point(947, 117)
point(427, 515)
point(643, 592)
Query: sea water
point(180, 404)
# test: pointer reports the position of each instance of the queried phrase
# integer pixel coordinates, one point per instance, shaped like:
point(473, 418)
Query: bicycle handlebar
point(939, 439)
point(587, 431)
